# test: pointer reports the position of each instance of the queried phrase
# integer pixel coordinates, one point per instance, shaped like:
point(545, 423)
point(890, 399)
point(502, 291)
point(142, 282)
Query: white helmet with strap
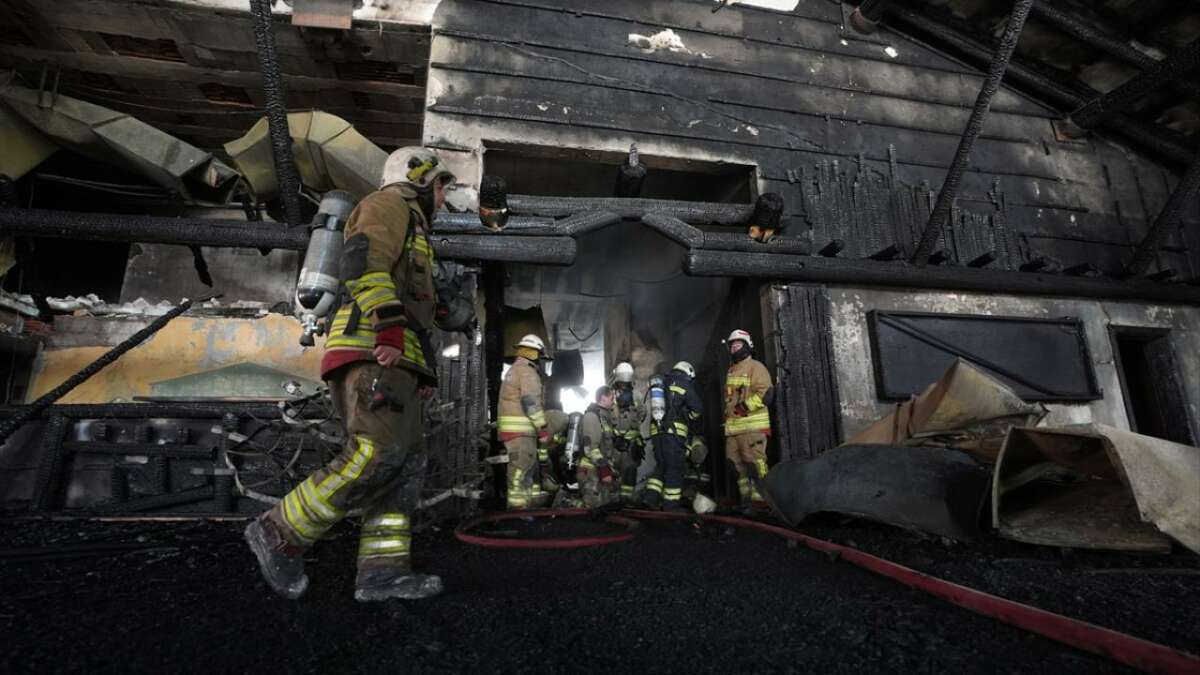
point(623, 372)
point(742, 335)
point(533, 342)
point(416, 167)
point(685, 368)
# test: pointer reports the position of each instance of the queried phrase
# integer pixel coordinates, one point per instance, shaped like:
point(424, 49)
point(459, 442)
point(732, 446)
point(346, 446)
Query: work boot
point(283, 573)
point(385, 583)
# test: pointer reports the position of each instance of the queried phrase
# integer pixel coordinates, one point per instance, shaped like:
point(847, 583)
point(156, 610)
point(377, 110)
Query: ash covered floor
point(679, 598)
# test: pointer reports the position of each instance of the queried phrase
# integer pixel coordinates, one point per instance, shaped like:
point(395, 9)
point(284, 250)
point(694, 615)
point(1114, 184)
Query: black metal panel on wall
point(854, 132)
point(1041, 359)
point(806, 414)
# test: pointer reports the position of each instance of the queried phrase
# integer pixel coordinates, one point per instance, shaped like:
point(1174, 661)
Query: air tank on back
point(317, 287)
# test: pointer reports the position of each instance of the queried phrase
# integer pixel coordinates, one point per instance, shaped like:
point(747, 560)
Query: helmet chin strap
point(740, 354)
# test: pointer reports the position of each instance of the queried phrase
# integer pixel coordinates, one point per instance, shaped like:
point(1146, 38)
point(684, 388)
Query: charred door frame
point(1115, 331)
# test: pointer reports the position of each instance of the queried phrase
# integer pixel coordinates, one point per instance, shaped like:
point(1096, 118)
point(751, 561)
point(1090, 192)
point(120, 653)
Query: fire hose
point(1120, 647)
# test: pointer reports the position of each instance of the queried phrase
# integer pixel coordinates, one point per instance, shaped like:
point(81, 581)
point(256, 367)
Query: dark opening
point(626, 298)
point(538, 170)
point(161, 49)
point(16, 367)
point(1152, 384)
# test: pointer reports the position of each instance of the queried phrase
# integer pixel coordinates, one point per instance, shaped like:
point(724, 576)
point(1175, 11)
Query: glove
point(740, 410)
point(605, 473)
point(544, 438)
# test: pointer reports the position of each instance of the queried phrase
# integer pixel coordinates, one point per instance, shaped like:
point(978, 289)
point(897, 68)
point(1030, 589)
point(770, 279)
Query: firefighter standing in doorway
point(378, 365)
point(747, 418)
point(628, 443)
point(594, 471)
point(670, 436)
point(522, 425)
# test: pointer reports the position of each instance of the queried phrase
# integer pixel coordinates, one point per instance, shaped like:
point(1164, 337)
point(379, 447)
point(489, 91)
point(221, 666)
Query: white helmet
point(685, 368)
point(742, 335)
point(623, 372)
point(415, 166)
point(533, 342)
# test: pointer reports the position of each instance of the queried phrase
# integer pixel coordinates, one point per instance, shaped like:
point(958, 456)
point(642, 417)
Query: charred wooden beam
point(587, 221)
point(1167, 220)
point(190, 410)
point(535, 250)
point(689, 212)
point(469, 223)
point(1089, 33)
point(983, 103)
point(1065, 96)
point(868, 14)
point(904, 275)
point(674, 229)
point(983, 260)
point(733, 241)
point(150, 229)
point(833, 248)
point(286, 175)
point(1123, 98)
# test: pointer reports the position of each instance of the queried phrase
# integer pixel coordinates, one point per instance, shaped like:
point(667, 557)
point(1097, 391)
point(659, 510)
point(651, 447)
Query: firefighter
point(670, 435)
point(628, 443)
point(597, 433)
point(696, 480)
point(379, 366)
point(546, 484)
point(747, 418)
point(522, 425)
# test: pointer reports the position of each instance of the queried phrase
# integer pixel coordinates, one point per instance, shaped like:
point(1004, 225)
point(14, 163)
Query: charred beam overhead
point(1167, 220)
point(817, 269)
point(689, 212)
point(949, 191)
point(286, 175)
point(1123, 98)
point(150, 229)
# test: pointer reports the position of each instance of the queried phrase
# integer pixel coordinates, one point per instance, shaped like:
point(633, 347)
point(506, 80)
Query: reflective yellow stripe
point(543, 455)
point(387, 520)
point(654, 485)
point(420, 244)
point(586, 463)
point(538, 418)
point(759, 420)
point(370, 279)
point(368, 301)
point(678, 390)
point(755, 402)
point(681, 429)
point(351, 470)
point(515, 424)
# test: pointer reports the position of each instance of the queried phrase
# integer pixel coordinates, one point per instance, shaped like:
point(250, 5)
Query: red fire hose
point(1120, 647)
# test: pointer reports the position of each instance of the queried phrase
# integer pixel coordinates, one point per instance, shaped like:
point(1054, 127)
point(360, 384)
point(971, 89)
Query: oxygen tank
point(317, 287)
point(658, 398)
point(574, 437)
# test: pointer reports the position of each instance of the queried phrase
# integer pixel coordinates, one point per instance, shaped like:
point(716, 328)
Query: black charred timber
point(226, 499)
point(939, 257)
point(983, 260)
point(588, 221)
point(164, 450)
point(736, 241)
point(286, 175)
point(689, 212)
point(833, 248)
point(118, 484)
point(1035, 265)
point(868, 14)
point(88, 411)
point(807, 403)
point(16, 421)
point(468, 223)
point(1065, 96)
point(50, 224)
point(156, 502)
point(892, 252)
point(630, 176)
point(1082, 270)
point(1087, 32)
point(1163, 275)
point(48, 490)
point(159, 470)
point(1167, 220)
point(991, 84)
point(674, 229)
point(1123, 98)
point(534, 250)
point(848, 272)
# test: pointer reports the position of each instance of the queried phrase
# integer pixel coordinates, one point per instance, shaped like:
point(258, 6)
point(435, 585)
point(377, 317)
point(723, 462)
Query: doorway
point(1152, 383)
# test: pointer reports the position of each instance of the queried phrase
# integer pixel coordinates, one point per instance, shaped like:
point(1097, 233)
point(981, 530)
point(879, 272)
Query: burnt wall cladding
point(854, 139)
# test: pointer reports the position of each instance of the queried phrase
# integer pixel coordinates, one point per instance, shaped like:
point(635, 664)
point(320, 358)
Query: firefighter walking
point(747, 418)
point(629, 446)
point(521, 423)
point(597, 433)
point(378, 366)
point(670, 436)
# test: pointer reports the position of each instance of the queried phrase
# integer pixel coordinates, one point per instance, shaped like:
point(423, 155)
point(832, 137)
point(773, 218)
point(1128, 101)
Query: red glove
point(392, 336)
point(544, 437)
point(605, 473)
point(740, 410)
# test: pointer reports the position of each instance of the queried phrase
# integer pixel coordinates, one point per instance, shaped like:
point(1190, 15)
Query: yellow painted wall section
point(185, 347)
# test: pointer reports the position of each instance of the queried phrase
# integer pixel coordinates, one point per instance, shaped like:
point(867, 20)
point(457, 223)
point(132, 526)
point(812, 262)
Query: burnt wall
point(855, 132)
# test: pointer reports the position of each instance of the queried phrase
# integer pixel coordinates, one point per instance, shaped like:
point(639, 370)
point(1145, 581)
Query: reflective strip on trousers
point(654, 485)
point(385, 535)
point(515, 424)
point(308, 510)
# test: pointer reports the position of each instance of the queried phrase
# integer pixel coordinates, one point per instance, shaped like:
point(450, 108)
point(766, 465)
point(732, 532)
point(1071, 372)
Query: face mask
point(625, 398)
point(740, 354)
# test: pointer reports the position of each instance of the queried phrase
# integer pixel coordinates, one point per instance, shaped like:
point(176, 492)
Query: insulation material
point(116, 138)
point(966, 408)
point(329, 152)
point(1095, 486)
point(24, 146)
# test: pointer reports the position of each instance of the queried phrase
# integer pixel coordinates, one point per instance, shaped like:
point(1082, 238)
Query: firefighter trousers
point(627, 469)
point(594, 492)
point(670, 463)
point(523, 488)
point(748, 452)
point(380, 469)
